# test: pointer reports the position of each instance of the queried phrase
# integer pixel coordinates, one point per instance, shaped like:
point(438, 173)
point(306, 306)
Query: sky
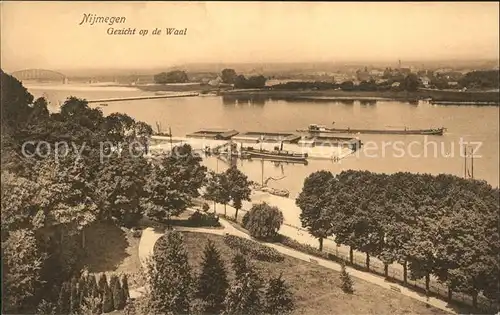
point(48, 35)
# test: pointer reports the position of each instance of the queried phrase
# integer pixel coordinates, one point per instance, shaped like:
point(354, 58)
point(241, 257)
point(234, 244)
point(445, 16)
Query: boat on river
point(313, 128)
point(276, 155)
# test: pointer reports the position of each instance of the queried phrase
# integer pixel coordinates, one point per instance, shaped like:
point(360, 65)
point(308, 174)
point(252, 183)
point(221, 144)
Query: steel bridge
point(40, 75)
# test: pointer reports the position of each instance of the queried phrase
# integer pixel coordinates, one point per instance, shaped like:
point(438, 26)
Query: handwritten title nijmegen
point(92, 19)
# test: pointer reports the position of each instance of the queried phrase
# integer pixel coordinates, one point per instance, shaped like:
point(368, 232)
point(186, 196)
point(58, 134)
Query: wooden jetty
point(257, 137)
point(213, 134)
point(145, 97)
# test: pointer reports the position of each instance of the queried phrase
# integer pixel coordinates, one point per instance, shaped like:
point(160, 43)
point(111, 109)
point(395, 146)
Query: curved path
point(150, 236)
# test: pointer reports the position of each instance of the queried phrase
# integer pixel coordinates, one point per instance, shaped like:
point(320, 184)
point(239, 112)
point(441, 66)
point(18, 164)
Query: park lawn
point(315, 288)
point(112, 249)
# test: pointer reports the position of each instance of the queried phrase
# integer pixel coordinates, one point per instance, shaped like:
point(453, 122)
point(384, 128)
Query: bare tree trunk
point(320, 244)
point(215, 205)
point(427, 281)
point(367, 262)
point(386, 270)
point(351, 255)
point(405, 272)
point(236, 215)
point(225, 214)
point(450, 295)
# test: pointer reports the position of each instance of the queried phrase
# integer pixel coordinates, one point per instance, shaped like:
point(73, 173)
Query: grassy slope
point(113, 250)
point(316, 289)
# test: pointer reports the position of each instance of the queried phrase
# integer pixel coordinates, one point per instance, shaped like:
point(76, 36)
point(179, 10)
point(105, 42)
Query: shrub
point(285, 240)
point(244, 220)
point(198, 219)
point(46, 308)
point(253, 249)
point(205, 207)
point(136, 232)
point(263, 221)
point(346, 281)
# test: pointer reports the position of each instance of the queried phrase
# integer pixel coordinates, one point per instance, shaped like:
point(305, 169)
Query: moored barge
point(313, 128)
point(276, 155)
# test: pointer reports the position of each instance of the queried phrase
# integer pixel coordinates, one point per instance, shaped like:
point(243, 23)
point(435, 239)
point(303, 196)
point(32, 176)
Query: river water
point(476, 126)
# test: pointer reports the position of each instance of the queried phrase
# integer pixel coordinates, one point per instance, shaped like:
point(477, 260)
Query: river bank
point(457, 97)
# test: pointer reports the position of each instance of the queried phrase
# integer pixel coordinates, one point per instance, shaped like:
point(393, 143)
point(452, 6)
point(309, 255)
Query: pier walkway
point(136, 98)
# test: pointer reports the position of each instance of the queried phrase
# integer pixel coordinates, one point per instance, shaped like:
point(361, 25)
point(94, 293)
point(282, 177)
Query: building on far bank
point(425, 81)
point(215, 82)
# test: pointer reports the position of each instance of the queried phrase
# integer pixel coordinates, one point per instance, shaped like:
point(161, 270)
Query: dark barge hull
point(433, 132)
point(275, 156)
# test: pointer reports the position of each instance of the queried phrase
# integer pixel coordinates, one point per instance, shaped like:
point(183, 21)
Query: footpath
point(150, 236)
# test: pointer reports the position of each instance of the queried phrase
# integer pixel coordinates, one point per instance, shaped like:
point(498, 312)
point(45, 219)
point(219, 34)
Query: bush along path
point(151, 235)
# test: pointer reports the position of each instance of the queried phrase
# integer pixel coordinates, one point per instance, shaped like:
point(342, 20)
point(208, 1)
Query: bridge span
point(40, 75)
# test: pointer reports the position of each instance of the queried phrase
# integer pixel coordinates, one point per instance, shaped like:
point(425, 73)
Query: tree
point(118, 297)
point(102, 284)
point(278, 298)
point(264, 221)
point(74, 296)
point(217, 189)
point(19, 202)
point(142, 132)
point(176, 76)
point(40, 111)
point(244, 296)
point(15, 102)
point(345, 280)
point(120, 188)
point(107, 300)
point(125, 289)
point(63, 303)
point(22, 262)
point(169, 276)
point(119, 127)
point(228, 76)
point(46, 308)
point(92, 286)
point(173, 182)
point(240, 187)
point(78, 111)
point(212, 282)
point(315, 200)
point(347, 86)
point(91, 306)
point(411, 82)
point(83, 290)
point(66, 197)
point(481, 79)
point(240, 265)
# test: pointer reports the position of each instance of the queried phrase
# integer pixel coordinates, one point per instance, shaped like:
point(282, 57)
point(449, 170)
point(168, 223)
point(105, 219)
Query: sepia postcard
point(231, 158)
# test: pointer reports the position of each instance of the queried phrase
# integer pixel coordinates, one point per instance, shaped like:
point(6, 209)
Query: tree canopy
point(441, 225)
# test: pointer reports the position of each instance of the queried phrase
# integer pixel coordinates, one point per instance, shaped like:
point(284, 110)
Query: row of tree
point(231, 185)
point(440, 225)
point(88, 296)
point(177, 76)
point(175, 290)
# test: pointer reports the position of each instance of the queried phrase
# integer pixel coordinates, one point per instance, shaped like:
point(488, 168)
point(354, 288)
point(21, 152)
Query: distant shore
point(437, 96)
